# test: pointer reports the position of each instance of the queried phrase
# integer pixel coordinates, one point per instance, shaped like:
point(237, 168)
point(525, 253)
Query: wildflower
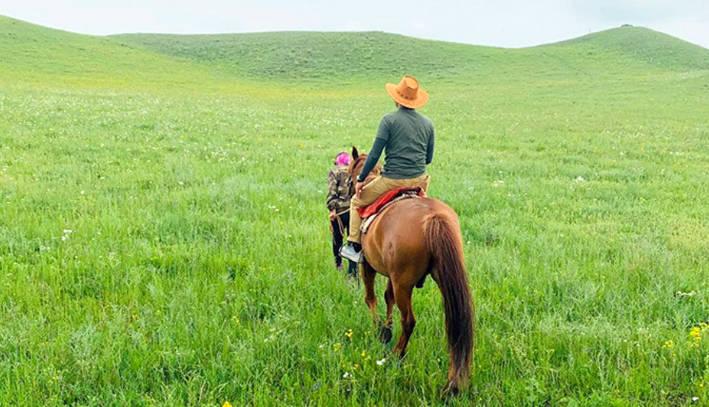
point(580, 179)
point(668, 344)
point(695, 399)
point(226, 404)
point(346, 375)
point(66, 233)
point(349, 334)
point(337, 346)
point(696, 333)
point(381, 362)
point(355, 366)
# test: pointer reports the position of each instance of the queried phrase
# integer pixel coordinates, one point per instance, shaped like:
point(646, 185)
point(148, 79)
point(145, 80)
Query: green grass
point(191, 172)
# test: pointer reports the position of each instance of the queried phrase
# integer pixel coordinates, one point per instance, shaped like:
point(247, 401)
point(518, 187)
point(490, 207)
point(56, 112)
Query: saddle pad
point(410, 193)
point(385, 198)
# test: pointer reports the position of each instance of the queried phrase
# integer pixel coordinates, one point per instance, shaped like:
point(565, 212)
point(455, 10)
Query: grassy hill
point(32, 51)
point(164, 238)
point(318, 55)
point(44, 56)
point(645, 45)
point(312, 55)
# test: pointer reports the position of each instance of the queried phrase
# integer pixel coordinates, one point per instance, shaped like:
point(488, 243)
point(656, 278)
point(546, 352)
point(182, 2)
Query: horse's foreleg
point(402, 296)
point(385, 331)
point(370, 298)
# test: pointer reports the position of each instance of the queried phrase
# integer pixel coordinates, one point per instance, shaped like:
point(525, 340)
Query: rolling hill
point(642, 44)
point(32, 52)
point(40, 55)
point(312, 55)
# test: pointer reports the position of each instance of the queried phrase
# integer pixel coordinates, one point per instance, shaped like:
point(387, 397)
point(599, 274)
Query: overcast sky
point(507, 23)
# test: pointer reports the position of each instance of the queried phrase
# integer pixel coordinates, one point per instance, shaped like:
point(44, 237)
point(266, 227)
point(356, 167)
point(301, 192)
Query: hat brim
point(421, 97)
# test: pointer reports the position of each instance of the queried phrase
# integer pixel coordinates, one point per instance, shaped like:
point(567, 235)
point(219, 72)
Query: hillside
point(313, 55)
point(646, 45)
point(33, 53)
point(317, 55)
point(36, 54)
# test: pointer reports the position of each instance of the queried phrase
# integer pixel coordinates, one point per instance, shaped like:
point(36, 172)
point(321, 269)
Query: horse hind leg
point(402, 296)
point(385, 330)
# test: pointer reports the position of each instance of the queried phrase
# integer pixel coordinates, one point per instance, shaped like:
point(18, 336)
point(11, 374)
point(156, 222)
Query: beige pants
point(374, 190)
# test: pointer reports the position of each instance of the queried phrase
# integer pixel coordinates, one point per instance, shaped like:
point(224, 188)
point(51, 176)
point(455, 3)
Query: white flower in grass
point(66, 233)
point(381, 362)
point(695, 399)
point(346, 375)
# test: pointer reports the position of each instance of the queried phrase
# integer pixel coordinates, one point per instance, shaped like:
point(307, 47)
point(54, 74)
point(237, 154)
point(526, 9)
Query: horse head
point(355, 167)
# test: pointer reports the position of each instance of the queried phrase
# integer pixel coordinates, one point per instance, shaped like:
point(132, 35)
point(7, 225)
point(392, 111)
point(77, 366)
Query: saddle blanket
point(371, 212)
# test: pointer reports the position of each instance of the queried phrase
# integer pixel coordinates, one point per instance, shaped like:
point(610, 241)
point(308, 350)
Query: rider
point(407, 137)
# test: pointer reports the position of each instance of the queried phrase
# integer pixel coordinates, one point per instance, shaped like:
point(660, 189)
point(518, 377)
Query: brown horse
point(411, 239)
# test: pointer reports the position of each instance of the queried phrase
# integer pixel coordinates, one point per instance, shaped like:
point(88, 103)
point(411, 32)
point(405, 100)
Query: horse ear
point(355, 153)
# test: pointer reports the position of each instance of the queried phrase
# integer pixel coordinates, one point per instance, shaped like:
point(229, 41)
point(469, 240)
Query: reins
point(339, 222)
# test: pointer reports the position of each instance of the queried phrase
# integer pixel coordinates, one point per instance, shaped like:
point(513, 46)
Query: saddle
point(370, 213)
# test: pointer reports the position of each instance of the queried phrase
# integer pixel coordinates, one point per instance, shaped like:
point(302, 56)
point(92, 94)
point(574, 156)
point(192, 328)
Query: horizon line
point(354, 32)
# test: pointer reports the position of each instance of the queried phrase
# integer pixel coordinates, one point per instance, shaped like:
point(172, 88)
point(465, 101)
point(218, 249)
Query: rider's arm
point(379, 143)
point(429, 149)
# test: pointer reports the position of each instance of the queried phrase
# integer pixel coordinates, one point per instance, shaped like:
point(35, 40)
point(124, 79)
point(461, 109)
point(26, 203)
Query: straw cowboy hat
point(407, 93)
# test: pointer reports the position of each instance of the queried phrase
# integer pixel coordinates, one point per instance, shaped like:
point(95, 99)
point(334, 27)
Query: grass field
point(163, 235)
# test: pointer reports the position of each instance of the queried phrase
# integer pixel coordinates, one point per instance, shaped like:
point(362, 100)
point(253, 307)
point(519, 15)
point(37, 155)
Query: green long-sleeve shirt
point(407, 137)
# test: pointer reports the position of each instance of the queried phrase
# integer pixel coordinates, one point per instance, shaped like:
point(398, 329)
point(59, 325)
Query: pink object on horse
point(342, 159)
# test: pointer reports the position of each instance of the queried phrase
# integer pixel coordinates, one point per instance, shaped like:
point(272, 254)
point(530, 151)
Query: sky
point(504, 23)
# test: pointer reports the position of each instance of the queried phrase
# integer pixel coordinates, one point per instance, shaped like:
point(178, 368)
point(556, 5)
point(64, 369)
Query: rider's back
point(409, 142)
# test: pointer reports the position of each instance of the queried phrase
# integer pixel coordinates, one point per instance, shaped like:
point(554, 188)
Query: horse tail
point(445, 245)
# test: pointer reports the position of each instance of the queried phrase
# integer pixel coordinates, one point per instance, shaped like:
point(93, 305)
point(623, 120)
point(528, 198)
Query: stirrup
point(349, 253)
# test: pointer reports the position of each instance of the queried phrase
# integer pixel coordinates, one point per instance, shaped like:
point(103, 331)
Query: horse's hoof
point(385, 334)
point(400, 353)
point(450, 390)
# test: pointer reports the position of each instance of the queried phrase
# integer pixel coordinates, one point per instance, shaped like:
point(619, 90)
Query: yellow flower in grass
point(349, 334)
point(696, 333)
point(668, 344)
point(336, 347)
point(226, 404)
